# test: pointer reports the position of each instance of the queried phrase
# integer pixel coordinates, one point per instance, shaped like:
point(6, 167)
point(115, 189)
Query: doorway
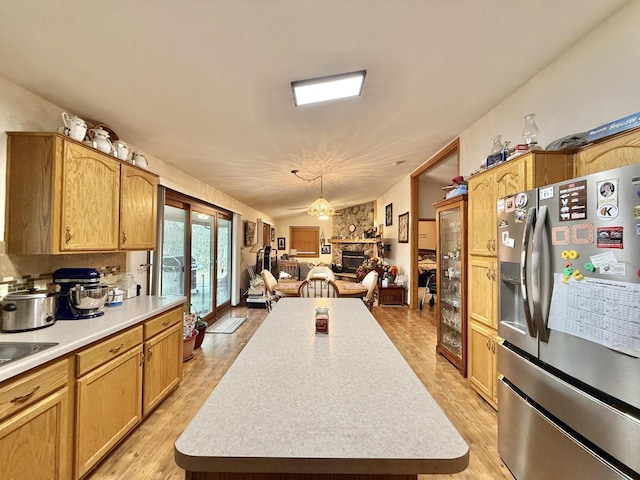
point(426, 188)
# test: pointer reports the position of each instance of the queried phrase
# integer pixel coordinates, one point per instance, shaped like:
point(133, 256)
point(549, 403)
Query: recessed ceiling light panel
point(328, 88)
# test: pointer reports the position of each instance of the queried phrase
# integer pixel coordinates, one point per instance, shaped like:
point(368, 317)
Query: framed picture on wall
point(249, 233)
point(388, 215)
point(273, 234)
point(326, 249)
point(281, 243)
point(403, 228)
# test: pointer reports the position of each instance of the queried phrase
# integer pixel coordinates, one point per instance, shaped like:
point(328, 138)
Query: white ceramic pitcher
point(75, 127)
point(122, 151)
point(100, 139)
point(139, 160)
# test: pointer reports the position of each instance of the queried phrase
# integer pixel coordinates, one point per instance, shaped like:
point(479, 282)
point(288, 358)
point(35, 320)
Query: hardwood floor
point(148, 452)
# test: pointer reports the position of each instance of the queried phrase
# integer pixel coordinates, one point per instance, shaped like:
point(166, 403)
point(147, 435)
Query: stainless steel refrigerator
point(569, 388)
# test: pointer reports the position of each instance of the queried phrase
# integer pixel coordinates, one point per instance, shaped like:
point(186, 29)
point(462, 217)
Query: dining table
point(297, 405)
point(344, 288)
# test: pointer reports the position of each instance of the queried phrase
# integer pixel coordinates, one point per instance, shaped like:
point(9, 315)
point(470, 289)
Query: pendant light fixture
point(321, 208)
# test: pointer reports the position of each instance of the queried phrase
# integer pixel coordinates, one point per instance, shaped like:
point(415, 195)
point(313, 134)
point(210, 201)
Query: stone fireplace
point(352, 260)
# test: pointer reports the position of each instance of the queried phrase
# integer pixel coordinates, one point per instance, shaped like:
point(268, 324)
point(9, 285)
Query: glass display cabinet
point(451, 233)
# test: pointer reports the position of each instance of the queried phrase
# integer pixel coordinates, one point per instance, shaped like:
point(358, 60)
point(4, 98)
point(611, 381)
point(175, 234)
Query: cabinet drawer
point(162, 322)
point(104, 351)
point(17, 394)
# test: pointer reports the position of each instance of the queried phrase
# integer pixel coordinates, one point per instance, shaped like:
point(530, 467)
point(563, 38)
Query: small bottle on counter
point(322, 320)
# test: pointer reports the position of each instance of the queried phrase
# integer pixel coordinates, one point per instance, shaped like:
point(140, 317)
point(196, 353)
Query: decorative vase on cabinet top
point(75, 127)
point(101, 140)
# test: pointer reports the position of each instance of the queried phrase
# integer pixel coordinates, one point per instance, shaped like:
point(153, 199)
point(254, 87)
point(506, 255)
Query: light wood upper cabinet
point(89, 206)
point(138, 192)
point(533, 169)
point(482, 215)
point(618, 151)
point(65, 197)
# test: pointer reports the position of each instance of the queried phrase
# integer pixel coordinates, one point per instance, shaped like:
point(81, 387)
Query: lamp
point(293, 252)
point(321, 208)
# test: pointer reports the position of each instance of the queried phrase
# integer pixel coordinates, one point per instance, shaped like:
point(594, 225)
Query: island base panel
point(291, 476)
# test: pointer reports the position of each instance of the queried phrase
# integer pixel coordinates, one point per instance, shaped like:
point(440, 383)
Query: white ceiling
point(205, 85)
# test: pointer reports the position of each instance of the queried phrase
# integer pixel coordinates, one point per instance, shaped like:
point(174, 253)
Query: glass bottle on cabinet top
point(451, 233)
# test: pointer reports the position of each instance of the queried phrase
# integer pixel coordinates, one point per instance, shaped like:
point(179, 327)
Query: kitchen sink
point(10, 351)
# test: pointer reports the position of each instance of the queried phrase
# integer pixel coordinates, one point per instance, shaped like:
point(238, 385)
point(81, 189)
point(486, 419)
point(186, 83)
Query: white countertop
point(74, 334)
point(297, 402)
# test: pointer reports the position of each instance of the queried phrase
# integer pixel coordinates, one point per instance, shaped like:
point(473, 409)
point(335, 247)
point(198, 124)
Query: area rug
point(226, 325)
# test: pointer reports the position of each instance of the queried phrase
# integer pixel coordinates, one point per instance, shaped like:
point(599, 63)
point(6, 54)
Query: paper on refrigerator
point(602, 311)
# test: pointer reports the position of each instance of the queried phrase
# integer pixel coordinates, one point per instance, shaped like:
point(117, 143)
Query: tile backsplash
point(22, 272)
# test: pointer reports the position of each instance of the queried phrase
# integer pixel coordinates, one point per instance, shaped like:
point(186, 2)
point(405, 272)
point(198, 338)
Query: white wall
point(400, 196)
point(430, 192)
point(282, 230)
point(23, 111)
point(594, 82)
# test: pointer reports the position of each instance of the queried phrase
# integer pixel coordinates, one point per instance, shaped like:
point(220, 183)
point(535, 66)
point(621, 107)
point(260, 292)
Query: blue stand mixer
point(81, 295)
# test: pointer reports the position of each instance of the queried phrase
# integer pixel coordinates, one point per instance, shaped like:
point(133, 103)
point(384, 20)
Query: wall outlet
point(40, 284)
point(4, 290)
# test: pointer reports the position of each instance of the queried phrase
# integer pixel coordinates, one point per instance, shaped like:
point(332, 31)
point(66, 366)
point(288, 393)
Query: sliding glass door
point(223, 269)
point(196, 254)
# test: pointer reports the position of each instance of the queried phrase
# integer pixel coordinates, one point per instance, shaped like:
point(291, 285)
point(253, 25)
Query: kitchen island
point(299, 405)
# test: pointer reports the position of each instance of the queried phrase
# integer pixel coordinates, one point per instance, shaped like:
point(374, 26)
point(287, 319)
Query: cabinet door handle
point(493, 347)
point(493, 245)
point(141, 358)
point(68, 235)
point(493, 274)
point(124, 237)
point(164, 324)
point(116, 349)
point(489, 344)
point(489, 244)
point(489, 273)
point(24, 396)
point(149, 353)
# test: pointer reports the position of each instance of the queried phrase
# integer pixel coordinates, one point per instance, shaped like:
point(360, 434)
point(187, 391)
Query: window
point(305, 240)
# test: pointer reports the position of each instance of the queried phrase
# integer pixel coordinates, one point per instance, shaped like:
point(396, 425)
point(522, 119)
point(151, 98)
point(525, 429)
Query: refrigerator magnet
point(610, 237)
point(608, 198)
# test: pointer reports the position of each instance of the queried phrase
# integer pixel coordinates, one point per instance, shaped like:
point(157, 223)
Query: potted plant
point(201, 327)
point(189, 334)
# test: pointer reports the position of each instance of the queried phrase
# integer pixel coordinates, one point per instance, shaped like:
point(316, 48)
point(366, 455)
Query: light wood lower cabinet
point(482, 346)
point(35, 428)
point(108, 401)
point(163, 358)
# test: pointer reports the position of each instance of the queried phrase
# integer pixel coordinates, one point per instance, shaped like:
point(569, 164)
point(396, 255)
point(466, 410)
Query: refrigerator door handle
point(536, 287)
point(524, 280)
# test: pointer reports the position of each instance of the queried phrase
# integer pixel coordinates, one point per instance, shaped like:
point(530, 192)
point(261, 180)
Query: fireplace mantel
point(353, 240)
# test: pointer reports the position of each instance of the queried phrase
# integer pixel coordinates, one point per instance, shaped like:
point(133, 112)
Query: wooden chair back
point(318, 288)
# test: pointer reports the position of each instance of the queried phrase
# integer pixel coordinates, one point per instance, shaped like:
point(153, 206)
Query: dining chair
point(270, 283)
point(371, 282)
point(318, 288)
point(321, 271)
